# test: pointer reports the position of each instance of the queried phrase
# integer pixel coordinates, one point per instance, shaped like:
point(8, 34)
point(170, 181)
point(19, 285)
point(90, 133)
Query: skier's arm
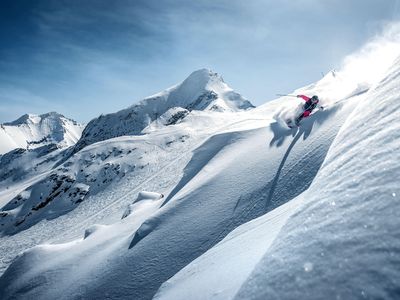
point(304, 97)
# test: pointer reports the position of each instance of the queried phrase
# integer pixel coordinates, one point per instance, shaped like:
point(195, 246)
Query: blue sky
point(83, 58)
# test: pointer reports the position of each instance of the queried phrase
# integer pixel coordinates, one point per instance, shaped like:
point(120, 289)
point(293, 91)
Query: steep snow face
point(202, 90)
point(347, 230)
point(337, 240)
point(31, 131)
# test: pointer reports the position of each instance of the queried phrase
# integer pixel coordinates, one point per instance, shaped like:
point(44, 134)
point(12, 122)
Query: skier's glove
point(321, 108)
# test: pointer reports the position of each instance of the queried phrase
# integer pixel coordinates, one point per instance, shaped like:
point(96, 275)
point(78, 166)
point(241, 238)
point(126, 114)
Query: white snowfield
point(31, 131)
point(252, 210)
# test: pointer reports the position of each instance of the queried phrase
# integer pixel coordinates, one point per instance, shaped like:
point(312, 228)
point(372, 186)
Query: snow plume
point(285, 112)
point(359, 72)
point(373, 60)
point(364, 68)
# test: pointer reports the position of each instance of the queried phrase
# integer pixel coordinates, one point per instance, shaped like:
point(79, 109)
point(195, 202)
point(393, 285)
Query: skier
point(309, 106)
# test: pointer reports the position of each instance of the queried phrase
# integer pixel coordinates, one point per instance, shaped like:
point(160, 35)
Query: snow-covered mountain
point(95, 167)
point(196, 204)
point(32, 131)
point(203, 90)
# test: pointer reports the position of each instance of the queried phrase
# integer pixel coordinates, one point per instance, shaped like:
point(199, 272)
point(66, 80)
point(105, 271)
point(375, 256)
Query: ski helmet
point(314, 99)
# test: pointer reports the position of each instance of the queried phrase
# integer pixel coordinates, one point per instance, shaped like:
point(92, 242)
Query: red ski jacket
point(309, 105)
point(304, 97)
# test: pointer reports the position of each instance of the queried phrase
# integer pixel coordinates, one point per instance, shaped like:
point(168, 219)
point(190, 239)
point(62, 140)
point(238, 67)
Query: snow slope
point(31, 131)
point(88, 172)
point(337, 240)
point(20, 168)
point(354, 252)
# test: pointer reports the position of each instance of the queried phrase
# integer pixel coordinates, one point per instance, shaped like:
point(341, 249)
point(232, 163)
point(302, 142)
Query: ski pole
point(282, 95)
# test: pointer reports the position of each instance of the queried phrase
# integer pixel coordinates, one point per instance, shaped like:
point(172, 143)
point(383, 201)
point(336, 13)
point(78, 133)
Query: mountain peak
point(203, 76)
point(204, 89)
